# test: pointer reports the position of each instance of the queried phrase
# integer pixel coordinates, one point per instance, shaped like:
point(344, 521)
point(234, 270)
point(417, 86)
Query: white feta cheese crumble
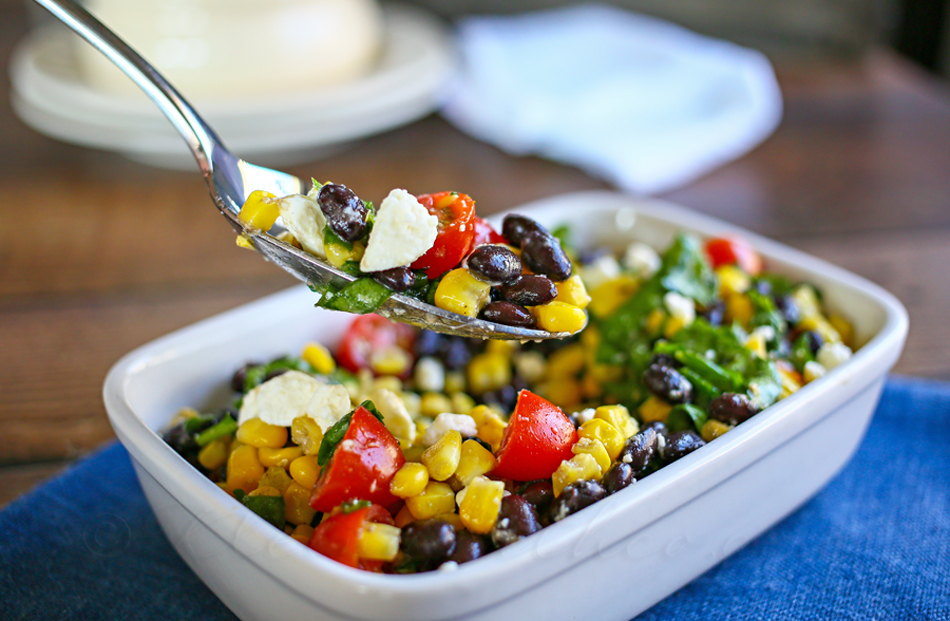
point(303, 217)
point(329, 403)
point(402, 233)
point(279, 400)
point(429, 374)
point(603, 269)
point(395, 415)
point(641, 259)
point(680, 307)
point(449, 566)
point(462, 423)
point(832, 354)
point(766, 333)
point(813, 370)
point(584, 415)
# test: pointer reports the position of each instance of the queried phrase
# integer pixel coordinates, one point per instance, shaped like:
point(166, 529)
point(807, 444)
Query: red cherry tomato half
point(456, 233)
point(372, 333)
point(338, 535)
point(485, 233)
point(733, 251)
point(538, 438)
point(362, 466)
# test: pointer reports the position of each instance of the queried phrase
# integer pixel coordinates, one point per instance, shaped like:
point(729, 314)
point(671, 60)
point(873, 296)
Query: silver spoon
point(231, 180)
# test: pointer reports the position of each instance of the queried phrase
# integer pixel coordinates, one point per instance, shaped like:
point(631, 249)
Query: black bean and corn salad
point(431, 247)
point(405, 451)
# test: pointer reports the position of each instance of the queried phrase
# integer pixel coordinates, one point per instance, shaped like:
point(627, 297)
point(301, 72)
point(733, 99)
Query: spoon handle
point(201, 139)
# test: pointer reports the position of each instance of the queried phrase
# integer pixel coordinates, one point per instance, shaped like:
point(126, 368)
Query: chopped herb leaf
point(226, 426)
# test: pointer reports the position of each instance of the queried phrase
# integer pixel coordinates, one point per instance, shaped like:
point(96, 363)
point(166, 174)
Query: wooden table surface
point(99, 255)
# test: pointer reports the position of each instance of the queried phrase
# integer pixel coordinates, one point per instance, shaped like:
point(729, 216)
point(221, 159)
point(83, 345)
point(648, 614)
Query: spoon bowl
point(231, 179)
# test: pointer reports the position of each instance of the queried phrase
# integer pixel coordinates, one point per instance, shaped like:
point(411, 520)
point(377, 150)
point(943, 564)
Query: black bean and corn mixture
point(405, 451)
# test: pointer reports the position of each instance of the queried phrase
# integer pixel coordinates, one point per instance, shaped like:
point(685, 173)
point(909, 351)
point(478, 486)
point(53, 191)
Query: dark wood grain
point(99, 254)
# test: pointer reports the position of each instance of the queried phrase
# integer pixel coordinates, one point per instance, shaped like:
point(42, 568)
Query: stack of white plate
point(408, 83)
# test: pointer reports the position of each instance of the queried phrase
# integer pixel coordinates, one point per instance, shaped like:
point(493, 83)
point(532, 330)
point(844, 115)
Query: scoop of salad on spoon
point(428, 261)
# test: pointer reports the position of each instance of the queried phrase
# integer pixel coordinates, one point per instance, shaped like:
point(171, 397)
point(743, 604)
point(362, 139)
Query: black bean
point(619, 476)
point(494, 264)
point(658, 427)
point(428, 343)
point(542, 254)
point(668, 384)
point(732, 408)
point(680, 444)
point(763, 286)
point(586, 257)
point(508, 314)
point(664, 360)
point(505, 397)
point(179, 439)
point(714, 313)
point(469, 546)
point(815, 341)
point(639, 450)
point(431, 540)
point(237, 380)
point(787, 307)
point(516, 519)
point(456, 353)
point(575, 497)
point(398, 278)
point(540, 494)
point(529, 290)
point(345, 212)
point(514, 228)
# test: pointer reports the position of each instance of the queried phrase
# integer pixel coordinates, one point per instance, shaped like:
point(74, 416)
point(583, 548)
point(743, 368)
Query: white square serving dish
point(658, 534)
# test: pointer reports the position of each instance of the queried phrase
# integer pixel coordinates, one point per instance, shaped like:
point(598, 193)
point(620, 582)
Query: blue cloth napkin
point(875, 544)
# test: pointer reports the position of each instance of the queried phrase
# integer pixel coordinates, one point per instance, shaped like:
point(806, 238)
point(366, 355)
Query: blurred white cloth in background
point(638, 101)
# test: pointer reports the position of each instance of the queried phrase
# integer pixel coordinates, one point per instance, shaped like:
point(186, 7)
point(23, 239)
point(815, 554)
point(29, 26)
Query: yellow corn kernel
point(591, 387)
point(404, 517)
point(410, 480)
point(434, 403)
point(263, 490)
point(338, 254)
point(475, 460)
point(565, 392)
point(479, 508)
point(560, 317)
point(461, 403)
point(619, 417)
point(791, 380)
point(756, 344)
point(582, 467)
point(184, 414)
point(488, 371)
point(806, 299)
point(501, 347)
point(244, 469)
point(288, 238)
point(566, 362)
point(243, 241)
point(306, 433)
point(672, 326)
point(732, 280)
point(393, 360)
point(279, 457)
point(259, 434)
point(739, 308)
point(442, 458)
point(492, 430)
point(712, 429)
point(655, 321)
point(302, 533)
point(214, 454)
point(596, 449)
point(609, 296)
point(297, 508)
point(455, 382)
point(305, 470)
point(387, 382)
point(843, 327)
point(606, 372)
point(451, 518)
point(573, 291)
point(480, 412)
point(277, 478)
point(599, 429)
point(260, 210)
point(414, 453)
point(319, 357)
point(653, 409)
point(436, 498)
point(462, 293)
point(378, 542)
